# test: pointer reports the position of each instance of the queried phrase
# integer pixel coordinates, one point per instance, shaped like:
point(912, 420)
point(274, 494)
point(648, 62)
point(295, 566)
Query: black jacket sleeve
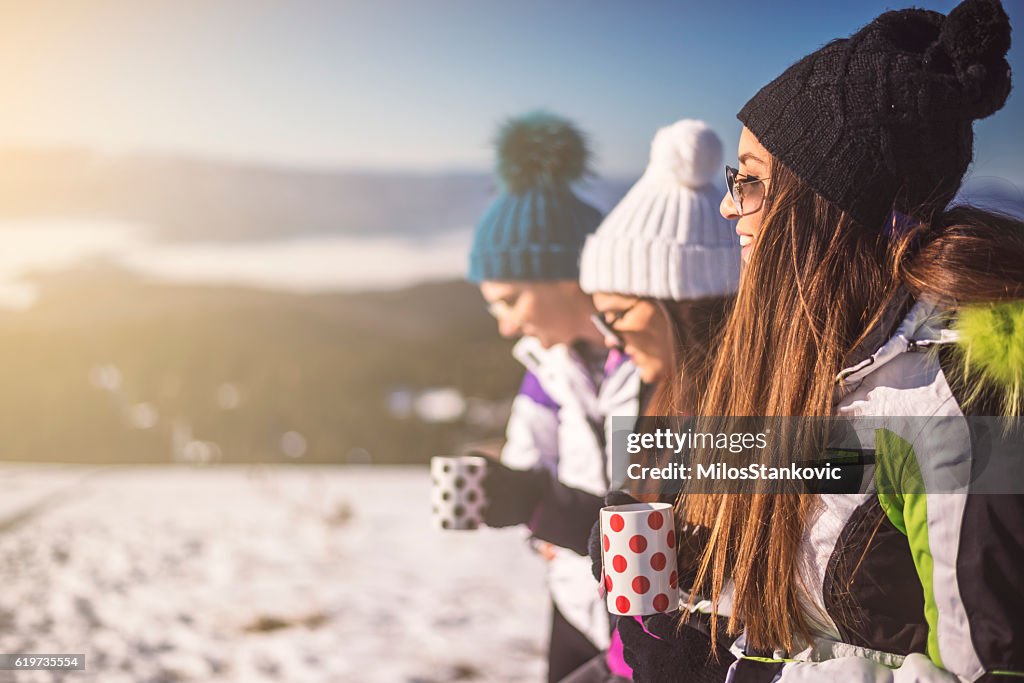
point(565, 515)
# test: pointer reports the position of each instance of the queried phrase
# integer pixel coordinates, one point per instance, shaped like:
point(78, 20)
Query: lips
point(746, 239)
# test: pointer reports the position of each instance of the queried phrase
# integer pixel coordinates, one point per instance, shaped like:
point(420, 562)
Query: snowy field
point(251, 574)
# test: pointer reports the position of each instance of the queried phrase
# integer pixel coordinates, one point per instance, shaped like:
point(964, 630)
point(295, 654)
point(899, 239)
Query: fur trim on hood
point(991, 347)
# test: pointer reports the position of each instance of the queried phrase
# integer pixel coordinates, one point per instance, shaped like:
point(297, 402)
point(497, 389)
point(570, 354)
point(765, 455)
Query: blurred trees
point(110, 368)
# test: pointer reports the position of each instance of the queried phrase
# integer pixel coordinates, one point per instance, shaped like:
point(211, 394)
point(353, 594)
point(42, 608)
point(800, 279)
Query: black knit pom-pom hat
point(882, 120)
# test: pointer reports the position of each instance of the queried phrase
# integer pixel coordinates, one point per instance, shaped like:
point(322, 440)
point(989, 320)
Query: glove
point(594, 541)
point(664, 654)
point(512, 495)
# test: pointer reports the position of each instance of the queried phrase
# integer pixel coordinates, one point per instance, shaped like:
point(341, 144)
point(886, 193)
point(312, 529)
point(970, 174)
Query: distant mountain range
point(994, 194)
point(184, 199)
point(194, 199)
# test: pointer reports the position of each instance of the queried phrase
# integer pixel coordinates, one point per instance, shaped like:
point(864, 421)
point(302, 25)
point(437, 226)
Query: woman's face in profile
point(643, 330)
point(548, 311)
point(751, 186)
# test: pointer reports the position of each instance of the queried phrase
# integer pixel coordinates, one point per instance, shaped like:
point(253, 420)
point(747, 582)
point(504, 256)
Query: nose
point(728, 208)
point(508, 328)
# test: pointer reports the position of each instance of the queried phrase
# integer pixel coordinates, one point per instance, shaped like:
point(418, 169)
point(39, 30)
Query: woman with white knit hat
point(663, 264)
point(662, 268)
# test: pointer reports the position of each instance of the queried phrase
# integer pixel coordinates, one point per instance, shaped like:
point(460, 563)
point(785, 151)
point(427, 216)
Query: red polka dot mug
point(638, 545)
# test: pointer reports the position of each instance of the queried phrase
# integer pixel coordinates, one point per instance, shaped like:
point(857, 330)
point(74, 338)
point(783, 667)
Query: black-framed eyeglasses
point(605, 321)
point(500, 309)
point(747, 191)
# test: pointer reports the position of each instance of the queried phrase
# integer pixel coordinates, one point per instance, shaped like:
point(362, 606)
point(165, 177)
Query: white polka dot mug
point(638, 546)
point(457, 495)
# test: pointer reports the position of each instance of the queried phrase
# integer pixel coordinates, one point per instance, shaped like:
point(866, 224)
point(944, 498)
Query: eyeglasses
point(500, 309)
point(605, 321)
point(747, 191)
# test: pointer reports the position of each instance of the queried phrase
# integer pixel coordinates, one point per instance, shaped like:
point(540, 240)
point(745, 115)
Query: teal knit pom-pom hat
point(536, 227)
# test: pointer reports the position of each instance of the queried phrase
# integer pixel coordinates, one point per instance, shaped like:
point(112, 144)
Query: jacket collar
point(563, 375)
point(922, 324)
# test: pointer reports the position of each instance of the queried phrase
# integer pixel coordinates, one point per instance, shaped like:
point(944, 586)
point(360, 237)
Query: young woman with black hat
point(864, 294)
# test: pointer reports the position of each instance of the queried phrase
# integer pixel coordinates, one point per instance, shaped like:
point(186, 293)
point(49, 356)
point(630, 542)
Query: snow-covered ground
point(256, 574)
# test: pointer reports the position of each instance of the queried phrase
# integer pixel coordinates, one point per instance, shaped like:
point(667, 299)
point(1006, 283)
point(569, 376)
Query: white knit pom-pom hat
point(666, 239)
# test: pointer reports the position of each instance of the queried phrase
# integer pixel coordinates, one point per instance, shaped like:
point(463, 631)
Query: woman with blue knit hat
point(553, 473)
point(865, 294)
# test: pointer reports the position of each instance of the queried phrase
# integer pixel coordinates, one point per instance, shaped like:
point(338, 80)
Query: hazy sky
point(414, 84)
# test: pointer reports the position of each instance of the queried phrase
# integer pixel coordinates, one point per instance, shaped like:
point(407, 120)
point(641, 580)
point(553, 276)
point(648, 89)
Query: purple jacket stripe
point(531, 389)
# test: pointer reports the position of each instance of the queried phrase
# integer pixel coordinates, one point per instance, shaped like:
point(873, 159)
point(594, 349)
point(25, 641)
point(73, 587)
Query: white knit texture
point(666, 239)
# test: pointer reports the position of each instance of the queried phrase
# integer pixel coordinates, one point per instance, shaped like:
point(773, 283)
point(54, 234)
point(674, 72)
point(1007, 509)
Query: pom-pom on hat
point(666, 239)
point(535, 229)
point(882, 119)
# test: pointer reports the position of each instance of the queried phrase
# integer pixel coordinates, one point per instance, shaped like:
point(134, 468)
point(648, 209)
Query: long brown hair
point(694, 329)
point(816, 284)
